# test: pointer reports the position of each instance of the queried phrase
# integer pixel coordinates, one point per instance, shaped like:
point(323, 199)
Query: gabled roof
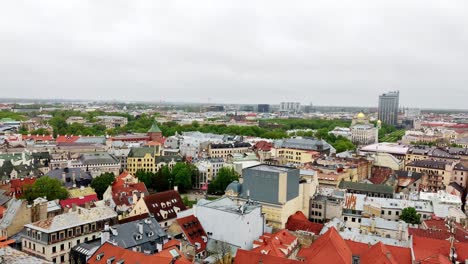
point(425, 248)
point(400, 254)
point(164, 205)
point(193, 231)
point(128, 235)
point(378, 253)
point(17, 185)
point(108, 251)
point(328, 248)
point(279, 244)
point(122, 194)
point(299, 221)
point(66, 139)
point(252, 257)
point(79, 201)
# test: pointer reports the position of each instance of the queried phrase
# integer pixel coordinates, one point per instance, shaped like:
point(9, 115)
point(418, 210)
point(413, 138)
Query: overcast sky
point(321, 52)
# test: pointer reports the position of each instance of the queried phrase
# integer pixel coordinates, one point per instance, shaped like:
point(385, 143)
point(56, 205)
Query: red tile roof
point(328, 248)
point(438, 224)
point(400, 254)
point(122, 193)
point(193, 231)
point(429, 233)
point(172, 243)
point(263, 145)
point(424, 247)
point(279, 244)
point(66, 139)
point(79, 201)
point(164, 205)
point(2, 210)
point(436, 259)
point(299, 221)
point(251, 257)
point(379, 253)
point(108, 251)
point(38, 137)
point(17, 185)
point(462, 251)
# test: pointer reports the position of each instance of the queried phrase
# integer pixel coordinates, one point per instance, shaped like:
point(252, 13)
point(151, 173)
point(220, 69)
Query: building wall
point(295, 156)
point(46, 251)
point(146, 163)
point(22, 217)
point(237, 230)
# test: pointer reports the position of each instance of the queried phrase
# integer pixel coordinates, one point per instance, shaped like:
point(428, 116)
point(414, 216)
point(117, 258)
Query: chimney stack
point(140, 228)
point(105, 235)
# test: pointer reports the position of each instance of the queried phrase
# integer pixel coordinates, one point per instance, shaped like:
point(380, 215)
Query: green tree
point(410, 216)
point(45, 187)
point(223, 179)
point(101, 182)
point(160, 182)
point(40, 131)
point(145, 177)
point(23, 130)
point(182, 176)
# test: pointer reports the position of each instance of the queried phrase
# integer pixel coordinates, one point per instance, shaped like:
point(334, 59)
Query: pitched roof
point(17, 185)
point(328, 248)
point(378, 253)
point(108, 251)
point(66, 139)
point(122, 194)
point(400, 254)
point(299, 221)
point(424, 247)
point(279, 244)
point(462, 251)
point(364, 187)
point(193, 231)
point(79, 201)
point(164, 205)
point(154, 128)
point(128, 235)
point(252, 257)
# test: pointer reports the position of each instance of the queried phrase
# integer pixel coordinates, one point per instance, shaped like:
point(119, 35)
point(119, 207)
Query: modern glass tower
point(388, 107)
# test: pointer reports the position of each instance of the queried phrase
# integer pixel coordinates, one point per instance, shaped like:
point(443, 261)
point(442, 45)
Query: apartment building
point(52, 239)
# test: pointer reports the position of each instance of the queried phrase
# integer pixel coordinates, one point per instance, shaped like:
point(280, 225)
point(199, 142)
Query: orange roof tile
point(193, 231)
point(328, 248)
point(279, 244)
point(424, 247)
point(378, 253)
point(251, 257)
point(299, 221)
point(108, 251)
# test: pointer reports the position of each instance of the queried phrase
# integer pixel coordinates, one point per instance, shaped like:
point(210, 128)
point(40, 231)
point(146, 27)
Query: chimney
point(105, 235)
point(87, 205)
point(73, 177)
point(135, 198)
point(64, 177)
point(140, 228)
point(73, 207)
point(176, 188)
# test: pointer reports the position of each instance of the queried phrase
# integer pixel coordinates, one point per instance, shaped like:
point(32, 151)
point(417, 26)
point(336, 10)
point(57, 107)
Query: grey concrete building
point(388, 107)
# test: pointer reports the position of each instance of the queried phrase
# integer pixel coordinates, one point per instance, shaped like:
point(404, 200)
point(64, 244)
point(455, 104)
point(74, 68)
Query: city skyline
point(220, 52)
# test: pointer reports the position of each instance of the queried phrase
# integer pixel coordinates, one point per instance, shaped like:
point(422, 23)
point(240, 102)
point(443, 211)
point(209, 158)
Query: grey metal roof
point(10, 213)
point(98, 158)
point(302, 143)
point(364, 187)
point(125, 235)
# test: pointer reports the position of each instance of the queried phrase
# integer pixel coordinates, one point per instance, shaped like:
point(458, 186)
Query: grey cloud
point(324, 52)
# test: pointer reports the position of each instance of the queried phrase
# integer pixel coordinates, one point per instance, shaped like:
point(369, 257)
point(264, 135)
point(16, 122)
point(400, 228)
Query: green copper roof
point(154, 128)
